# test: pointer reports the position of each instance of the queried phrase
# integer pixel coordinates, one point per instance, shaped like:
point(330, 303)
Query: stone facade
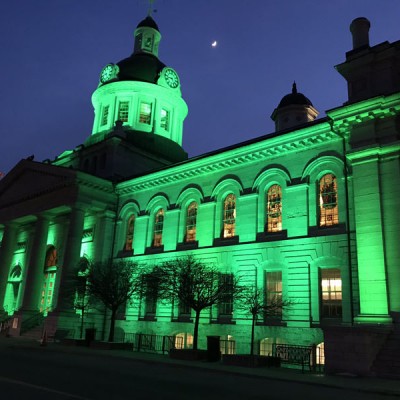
point(312, 212)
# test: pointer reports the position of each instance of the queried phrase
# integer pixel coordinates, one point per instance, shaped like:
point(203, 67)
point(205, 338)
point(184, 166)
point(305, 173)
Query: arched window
point(129, 233)
point(191, 218)
point(328, 201)
point(158, 228)
point(274, 209)
point(229, 216)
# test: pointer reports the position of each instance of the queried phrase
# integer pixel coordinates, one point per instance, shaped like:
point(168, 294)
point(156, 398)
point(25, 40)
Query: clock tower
point(138, 114)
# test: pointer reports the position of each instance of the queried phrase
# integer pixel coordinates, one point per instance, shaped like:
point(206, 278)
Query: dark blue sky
point(52, 52)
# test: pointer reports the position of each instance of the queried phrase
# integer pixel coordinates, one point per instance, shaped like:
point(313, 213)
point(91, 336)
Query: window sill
point(271, 322)
point(327, 230)
point(271, 236)
point(187, 245)
point(154, 250)
point(226, 241)
point(224, 320)
point(148, 318)
point(125, 253)
point(182, 319)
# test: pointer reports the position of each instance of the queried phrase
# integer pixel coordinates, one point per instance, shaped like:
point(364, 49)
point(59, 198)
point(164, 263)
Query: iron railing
point(151, 343)
point(305, 356)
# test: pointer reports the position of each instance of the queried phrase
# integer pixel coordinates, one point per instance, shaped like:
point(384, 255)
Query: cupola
point(294, 109)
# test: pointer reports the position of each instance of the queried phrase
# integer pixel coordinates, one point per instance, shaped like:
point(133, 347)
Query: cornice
point(269, 148)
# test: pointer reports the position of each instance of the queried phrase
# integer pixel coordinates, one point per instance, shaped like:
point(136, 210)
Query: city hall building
point(308, 213)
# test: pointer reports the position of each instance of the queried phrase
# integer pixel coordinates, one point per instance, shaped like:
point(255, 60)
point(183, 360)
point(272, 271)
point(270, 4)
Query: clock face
point(108, 72)
point(171, 77)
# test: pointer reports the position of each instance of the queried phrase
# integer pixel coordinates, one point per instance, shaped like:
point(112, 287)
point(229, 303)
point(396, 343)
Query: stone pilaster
point(104, 236)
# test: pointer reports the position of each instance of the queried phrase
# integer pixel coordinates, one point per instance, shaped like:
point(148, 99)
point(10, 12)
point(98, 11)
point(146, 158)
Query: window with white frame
point(331, 293)
point(328, 201)
point(274, 209)
point(191, 219)
point(145, 113)
point(123, 111)
point(229, 216)
point(164, 119)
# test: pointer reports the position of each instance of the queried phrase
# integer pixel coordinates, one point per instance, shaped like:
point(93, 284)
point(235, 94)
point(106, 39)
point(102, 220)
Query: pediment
point(30, 180)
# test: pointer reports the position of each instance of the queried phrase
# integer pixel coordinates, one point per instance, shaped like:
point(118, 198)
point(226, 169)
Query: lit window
point(158, 228)
point(229, 216)
point(328, 201)
point(191, 218)
point(51, 257)
point(274, 209)
point(183, 341)
point(331, 293)
point(129, 233)
point(123, 111)
point(225, 306)
point(273, 293)
point(145, 113)
point(164, 122)
point(104, 118)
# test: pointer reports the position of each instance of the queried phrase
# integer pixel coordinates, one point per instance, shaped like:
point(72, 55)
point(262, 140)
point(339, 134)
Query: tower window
point(274, 209)
point(191, 218)
point(164, 121)
point(328, 201)
point(158, 228)
point(104, 118)
point(145, 113)
point(229, 216)
point(331, 293)
point(123, 111)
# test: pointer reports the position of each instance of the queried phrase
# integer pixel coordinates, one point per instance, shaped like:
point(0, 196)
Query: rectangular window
point(164, 121)
point(225, 306)
point(331, 293)
point(123, 111)
point(104, 118)
point(273, 295)
point(145, 113)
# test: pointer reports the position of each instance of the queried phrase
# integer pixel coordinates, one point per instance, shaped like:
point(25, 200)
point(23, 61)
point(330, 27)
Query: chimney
point(359, 29)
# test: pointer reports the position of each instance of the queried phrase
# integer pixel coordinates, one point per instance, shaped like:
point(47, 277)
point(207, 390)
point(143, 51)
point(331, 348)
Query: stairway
point(387, 362)
point(34, 333)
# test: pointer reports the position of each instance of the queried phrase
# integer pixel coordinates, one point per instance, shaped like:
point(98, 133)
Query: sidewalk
point(360, 384)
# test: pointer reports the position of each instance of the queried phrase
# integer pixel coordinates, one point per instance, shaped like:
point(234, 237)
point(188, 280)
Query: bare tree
point(252, 301)
point(194, 284)
point(113, 283)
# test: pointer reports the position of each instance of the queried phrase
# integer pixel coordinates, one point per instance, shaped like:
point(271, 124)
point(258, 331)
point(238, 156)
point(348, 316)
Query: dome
point(140, 67)
point(148, 22)
point(294, 98)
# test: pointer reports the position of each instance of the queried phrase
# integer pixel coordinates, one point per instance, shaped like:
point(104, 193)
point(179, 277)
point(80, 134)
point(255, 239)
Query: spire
point(151, 9)
point(294, 88)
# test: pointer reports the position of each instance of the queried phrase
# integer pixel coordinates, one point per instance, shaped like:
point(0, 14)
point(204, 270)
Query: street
point(40, 373)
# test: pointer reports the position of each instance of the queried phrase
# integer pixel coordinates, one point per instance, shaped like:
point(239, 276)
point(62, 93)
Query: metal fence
point(152, 343)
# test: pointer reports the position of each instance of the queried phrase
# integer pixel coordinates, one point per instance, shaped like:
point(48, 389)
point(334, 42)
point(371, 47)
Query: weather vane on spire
point(151, 8)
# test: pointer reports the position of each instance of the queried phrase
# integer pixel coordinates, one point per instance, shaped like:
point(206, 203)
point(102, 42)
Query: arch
point(271, 175)
point(129, 207)
point(51, 257)
point(127, 218)
point(159, 200)
point(16, 272)
point(313, 172)
point(264, 181)
point(225, 186)
point(188, 194)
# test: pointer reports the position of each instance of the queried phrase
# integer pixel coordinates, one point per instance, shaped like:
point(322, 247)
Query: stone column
point(71, 257)
point(104, 236)
point(6, 254)
point(34, 279)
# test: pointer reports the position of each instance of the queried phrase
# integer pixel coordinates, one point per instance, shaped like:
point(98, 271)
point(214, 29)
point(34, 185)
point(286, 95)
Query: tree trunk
point(112, 325)
point(82, 321)
point(253, 324)
point(196, 329)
